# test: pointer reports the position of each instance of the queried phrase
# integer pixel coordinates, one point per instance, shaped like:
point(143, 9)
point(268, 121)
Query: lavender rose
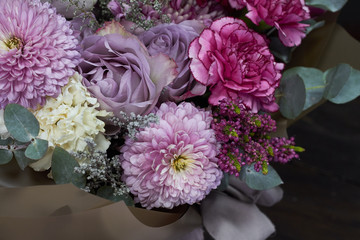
point(174, 40)
point(121, 74)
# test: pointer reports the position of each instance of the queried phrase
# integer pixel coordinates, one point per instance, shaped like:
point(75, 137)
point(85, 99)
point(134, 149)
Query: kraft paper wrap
point(32, 208)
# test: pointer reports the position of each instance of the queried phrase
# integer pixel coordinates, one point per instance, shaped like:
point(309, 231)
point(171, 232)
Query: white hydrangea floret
point(70, 121)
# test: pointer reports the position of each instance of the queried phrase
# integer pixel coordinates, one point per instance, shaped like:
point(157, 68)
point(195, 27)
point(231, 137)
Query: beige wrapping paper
point(66, 212)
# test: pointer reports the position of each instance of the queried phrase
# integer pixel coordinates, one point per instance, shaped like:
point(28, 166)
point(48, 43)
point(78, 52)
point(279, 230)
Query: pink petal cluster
point(285, 15)
point(37, 52)
point(173, 162)
point(235, 62)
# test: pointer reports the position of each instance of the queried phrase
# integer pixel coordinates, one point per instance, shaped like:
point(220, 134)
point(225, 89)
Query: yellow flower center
point(14, 42)
point(10, 43)
point(180, 163)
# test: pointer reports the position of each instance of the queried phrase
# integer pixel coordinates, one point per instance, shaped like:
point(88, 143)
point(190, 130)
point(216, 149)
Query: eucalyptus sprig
point(23, 143)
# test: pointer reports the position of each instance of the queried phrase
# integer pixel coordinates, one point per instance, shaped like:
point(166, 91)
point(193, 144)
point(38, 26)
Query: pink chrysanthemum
point(173, 162)
point(37, 52)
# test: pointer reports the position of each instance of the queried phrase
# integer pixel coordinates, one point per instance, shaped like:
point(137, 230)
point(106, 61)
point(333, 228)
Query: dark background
point(322, 189)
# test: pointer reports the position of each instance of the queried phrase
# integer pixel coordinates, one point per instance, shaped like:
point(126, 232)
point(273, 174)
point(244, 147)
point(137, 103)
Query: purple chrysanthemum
point(173, 162)
point(37, 52)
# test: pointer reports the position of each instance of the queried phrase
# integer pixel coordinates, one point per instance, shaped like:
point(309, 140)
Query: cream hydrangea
point(70, 121)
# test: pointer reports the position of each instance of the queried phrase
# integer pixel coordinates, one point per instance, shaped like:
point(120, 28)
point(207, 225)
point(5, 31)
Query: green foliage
point(293, 96)
point(258, 180)
point(279, 50)
point(224, 183)
point(5, 156)
point(23, 144)
point(339, 84)
point(313, 81)
point(331, 5)
point(313, 25)
point(63, 165)
point(108, 193)
point(20, 123)
point(335, 80)
point(350, 90)
point(21, 159)
point(36, 149)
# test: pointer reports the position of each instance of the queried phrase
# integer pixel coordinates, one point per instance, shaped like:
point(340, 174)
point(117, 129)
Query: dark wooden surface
point(322, 190)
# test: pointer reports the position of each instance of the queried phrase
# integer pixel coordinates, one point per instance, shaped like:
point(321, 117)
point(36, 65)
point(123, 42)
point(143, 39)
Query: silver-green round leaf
point(21, 123)
point(257, 180)
point(36, 149)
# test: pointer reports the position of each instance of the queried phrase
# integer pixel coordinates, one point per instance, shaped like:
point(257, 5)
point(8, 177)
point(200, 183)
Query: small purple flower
point(244, 138)
point(121, 74)
point(173, 162)
point(174, 40)
point(37, 52)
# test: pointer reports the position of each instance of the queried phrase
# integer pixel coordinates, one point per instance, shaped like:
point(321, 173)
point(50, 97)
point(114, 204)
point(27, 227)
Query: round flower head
point(285, 15)
point(174, 40)
point(70, 121)
point(236, 63)
point(121, 74)
point(37, 52)
point(173, 162)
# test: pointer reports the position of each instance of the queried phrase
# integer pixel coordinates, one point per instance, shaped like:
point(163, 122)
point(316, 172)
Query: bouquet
point(164, 103)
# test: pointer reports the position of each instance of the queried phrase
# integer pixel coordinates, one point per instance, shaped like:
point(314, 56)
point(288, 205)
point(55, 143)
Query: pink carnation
point(285, 15)
point(173, 162)
point(236, 63)
point(37, 52)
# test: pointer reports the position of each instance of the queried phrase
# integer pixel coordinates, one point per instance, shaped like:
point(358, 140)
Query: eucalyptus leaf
point(313, 81)
point(331, 5)
point(257, 180)
point(21, 159)
point(108, 193)
point(6, 142)
point(36, 149)
point(279, 50)
point(350, 90)
point(5, 156)
point(224, 183)
point(20, 123)
point(313, 25)
point(293, 96)
point(63, 165)
point(336, 79)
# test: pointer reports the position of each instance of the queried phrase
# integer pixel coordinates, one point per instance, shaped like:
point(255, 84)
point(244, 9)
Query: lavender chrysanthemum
point(173, 162)
point(37, 52)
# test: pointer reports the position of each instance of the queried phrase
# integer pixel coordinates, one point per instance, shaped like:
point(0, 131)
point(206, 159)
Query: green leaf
point(21, 159)
point(280, 51)
point(5, 156)
point(36, 149)
point(350, 90)
point(313, 25)
point(20, 123)
point(6, 142)
point(336, 78)
point(331, 5)
point(313, 81)
point(108, 193)
point(257, 180)
point(224, 183)
point(293, 96)
point(63, 165)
